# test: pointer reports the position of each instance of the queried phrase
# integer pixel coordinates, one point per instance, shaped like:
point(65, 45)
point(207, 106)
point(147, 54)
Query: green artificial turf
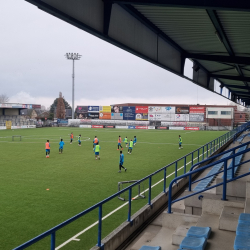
point(76, 181)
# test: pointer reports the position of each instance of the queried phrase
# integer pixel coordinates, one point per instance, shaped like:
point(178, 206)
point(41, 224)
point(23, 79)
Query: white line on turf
point(112, 212)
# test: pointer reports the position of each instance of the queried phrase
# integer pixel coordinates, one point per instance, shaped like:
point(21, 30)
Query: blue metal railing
point(207, 149)
point(225, 180)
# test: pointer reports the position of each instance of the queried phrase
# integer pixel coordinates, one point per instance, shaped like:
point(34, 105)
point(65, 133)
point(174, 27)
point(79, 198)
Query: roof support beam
point(106, 16)
point(218, 58)
point(239, 5)
point(236, 78)
point(235, 86)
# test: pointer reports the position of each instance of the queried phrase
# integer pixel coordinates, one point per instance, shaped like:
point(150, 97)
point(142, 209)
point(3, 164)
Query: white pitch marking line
point(106, 216)
point(76, 239)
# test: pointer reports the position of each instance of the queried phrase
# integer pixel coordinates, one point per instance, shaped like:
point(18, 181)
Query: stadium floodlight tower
point(73, 57)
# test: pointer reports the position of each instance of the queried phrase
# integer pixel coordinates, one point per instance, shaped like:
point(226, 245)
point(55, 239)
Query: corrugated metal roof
point(237, 28)
point(190, 28)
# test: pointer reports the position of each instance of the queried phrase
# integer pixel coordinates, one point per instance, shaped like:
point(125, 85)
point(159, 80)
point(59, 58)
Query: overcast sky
point(33, 68)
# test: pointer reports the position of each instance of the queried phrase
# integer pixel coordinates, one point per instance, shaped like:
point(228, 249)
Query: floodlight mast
point(73, 57)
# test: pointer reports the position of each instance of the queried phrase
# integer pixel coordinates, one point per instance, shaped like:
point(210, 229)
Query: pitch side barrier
point(207, 149)
point(225, 176)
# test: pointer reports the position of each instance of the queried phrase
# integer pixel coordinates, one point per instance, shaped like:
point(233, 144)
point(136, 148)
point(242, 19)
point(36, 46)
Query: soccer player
point(71, 138)
point(119, 142)
point(135, 140)
point(61, 144)
point(79, 140)
point(131, 143)
point(97, 150)
point(180, 142)
point(126, 141)
point(47, 148)
point(95, 141)
point(121, 162)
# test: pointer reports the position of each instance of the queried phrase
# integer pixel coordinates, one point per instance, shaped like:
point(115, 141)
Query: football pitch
point(38, 193)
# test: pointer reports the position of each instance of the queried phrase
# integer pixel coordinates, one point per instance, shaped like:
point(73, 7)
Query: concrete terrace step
point(229, 218)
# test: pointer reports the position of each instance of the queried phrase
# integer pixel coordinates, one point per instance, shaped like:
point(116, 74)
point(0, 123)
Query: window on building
point(212, 112)
point(226, 112)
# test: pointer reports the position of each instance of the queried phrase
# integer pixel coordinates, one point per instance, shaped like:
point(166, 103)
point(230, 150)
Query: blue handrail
point(213, 157)
point(209, 148)
point(224, 183)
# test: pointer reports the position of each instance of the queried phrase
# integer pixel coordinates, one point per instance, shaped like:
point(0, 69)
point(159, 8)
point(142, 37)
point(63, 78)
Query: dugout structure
point(13, 137)
point(141, 194)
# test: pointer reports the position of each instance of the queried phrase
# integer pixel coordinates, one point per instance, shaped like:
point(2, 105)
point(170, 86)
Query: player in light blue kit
point(135, 140)
point(121, 162)
point(61, 144)
point(79, 140)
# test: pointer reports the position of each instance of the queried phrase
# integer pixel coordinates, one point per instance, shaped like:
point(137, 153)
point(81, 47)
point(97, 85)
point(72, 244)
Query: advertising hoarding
point(109, 126)
point(128, 113)
point(93, 109)
point(168, 109)
point(93, 115)
point(151, 127)
point(96, 126)
point(141, 109)
point(84, 126)
point(106, 116)
point(62, 121)
point(154, 109)
point(167, 117)
point(196, 117)
point(192, 128)
point(81, 115)
point(81, 109)
point(182, 117)
point(116, 109)
point(174, 123)
point(141, 127)
point(196, 110)
point(105, 109)
point(182, 110)
point(116, 116)
point(141, 116)
point(176, 128)
point(122, 127)
point(154, 117)
point(161, 127)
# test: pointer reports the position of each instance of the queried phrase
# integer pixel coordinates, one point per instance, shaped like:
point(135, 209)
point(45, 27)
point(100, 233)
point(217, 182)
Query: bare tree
point(4, 98)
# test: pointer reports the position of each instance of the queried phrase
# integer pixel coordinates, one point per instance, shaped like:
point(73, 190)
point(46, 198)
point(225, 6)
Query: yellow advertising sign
point(8, 124)
point(105, 109)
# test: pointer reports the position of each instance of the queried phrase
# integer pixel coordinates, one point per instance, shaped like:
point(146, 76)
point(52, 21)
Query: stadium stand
point(16, 120)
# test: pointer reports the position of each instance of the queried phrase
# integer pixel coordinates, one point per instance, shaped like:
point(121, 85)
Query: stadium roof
point(214, 34)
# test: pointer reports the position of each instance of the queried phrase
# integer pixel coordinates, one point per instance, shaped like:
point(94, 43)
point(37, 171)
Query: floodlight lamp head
point(73, 56)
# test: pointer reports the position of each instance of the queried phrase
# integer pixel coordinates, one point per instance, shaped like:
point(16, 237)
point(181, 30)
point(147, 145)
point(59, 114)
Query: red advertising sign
point(197, 110)
point(97, 126)
point(192, 128)
point(141, 127)
point(162, 127)
point(141, 109)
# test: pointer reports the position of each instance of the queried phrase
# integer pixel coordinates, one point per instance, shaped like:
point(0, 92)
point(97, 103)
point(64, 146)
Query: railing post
point(210, 148)
point(219, 142)
point(233, 161)
point(53, 241)
point(192, 158)
point(198, 155)
point(170, 198)
point(129, 203)
point(164, 180)
point(190, 183)
point(207, 150)
point(99, 240)
point(149, 191)
point(203, 153)
point(224, 195)
point(185, 162)
point(176, 166)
